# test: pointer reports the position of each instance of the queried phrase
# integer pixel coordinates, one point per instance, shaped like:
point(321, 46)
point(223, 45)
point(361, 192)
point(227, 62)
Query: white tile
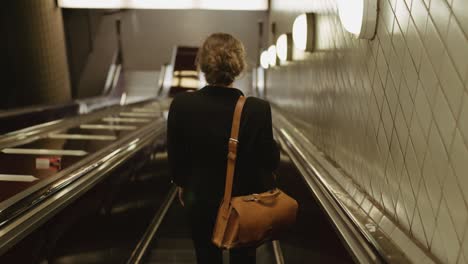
point(383, 144)
point(444, 119)
point(399, 45)
point(387, 225)
point(434, 46)
point(437, 246)
point(419, 14)
point(407, 194)
point(456, 204)
point(387, 120)
point(387, 16)
point(374, 113)
point(402, 15)
point(396, 152)
point(402, 130)
point(462, 123)
point(393, 4)
point(457, 44)
point(438, 153)
point(400, 238)
point(411, 163)
point(358, 197)
point(396, 69)
point(423, 110)
point(365, 127)
point(366, 205)
point(401, 214)
point(419, 141)
point(460, 8)
point(440, 14)
point(411, 75)
point(406, 102)
point(391, 95)
point(465, 245)
point(461, 259)
point(448, 233)
point(414, 44)
point(387, 199)
point(459, 160)
point(451, 84)
point(408, 3)
point(382, 67)
point(428, 78)
point(378, 90)
point(433, 184)
point(417, 229)
point(428, 216)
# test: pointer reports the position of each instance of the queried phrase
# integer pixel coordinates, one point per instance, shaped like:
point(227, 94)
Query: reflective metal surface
point(125, 120)
point(17, 178)
point(44, 152)
point(107, 127)
point(135, 114)
point(24, 205)
point(83, 137)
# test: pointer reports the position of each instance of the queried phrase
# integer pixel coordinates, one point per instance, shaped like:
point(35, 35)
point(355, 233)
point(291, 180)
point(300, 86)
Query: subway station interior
point(369, 105)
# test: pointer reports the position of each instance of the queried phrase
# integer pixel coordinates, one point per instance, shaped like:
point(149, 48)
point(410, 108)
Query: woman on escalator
point(199, 127)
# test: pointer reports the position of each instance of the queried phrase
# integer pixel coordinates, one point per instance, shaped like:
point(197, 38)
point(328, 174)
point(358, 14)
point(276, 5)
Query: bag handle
point(261, 197)
point(232, 154)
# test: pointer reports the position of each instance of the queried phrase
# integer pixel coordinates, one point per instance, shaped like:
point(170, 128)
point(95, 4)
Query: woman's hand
point(180, 192)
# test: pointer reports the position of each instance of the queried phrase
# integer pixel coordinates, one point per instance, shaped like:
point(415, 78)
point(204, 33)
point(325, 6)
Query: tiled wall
point(392, 112)
point(35, 56)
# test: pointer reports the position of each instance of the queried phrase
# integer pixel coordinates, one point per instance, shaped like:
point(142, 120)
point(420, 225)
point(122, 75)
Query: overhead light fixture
point(265, 59)
point(164, 4)
point(359, 17)
point(284, 47)
point(303, 32)
point(272, 55)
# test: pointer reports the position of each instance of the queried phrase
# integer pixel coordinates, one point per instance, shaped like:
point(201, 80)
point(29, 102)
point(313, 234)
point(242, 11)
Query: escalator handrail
point(141, 249)
point(21, 216)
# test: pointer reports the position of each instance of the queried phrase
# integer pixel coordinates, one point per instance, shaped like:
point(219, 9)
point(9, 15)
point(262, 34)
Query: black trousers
point(202, 219)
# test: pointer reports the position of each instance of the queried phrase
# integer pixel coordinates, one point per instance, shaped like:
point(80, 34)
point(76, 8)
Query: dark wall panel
point(34, 54)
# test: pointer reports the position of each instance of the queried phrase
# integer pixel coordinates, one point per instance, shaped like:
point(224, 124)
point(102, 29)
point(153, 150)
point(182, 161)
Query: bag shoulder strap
point(232, 154)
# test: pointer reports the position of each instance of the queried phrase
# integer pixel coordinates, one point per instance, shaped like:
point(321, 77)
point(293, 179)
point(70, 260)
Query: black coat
point(199, 127)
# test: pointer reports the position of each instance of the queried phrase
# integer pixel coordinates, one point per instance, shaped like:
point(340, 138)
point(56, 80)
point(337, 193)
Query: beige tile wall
point(392, 112)
point(35, 54)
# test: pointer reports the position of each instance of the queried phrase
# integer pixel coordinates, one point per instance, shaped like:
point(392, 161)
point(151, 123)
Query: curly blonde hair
point(221, 58)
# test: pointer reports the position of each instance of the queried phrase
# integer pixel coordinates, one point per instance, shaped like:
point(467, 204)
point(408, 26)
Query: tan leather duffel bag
point(252, 219)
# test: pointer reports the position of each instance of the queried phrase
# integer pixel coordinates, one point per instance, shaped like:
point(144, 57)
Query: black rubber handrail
point(359, 248)
point(139, 252)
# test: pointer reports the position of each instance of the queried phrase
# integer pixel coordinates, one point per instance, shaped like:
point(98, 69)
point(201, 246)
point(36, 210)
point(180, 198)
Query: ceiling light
point(303, 32)
point(164, 4)
point(264, 59)
point(359, 17)
point(284, 47)
point(272, 55)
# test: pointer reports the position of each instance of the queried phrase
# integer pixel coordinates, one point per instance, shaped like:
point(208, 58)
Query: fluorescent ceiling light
point(303, 32)
point(264, 59)
point(167, 4)
point(284, 47)
point(359, 17)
